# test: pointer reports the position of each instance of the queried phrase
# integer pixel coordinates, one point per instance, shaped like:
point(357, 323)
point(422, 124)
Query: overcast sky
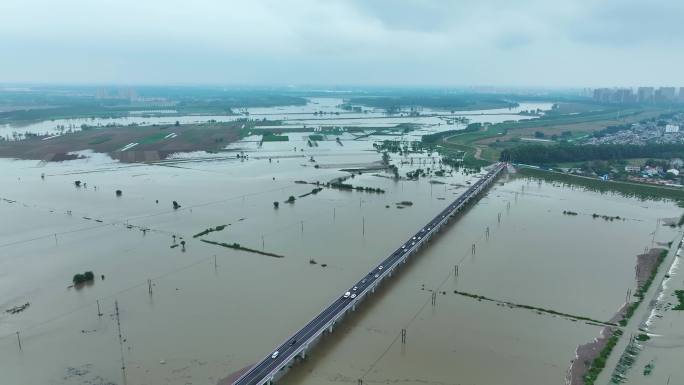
point(344, 42)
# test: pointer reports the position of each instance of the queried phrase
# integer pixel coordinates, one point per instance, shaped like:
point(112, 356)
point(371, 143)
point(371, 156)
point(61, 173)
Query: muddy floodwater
point(307, 115)
point(196, 313)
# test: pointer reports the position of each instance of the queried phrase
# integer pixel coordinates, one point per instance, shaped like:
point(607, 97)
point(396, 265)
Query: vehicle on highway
point(346, 295)
point(275, 354)
point(376, 275)
point(294, 341)
point(354, 288)
point(353, 296)
point(380, 268)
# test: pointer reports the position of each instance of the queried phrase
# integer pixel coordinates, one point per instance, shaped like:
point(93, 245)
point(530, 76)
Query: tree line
point(541, 154)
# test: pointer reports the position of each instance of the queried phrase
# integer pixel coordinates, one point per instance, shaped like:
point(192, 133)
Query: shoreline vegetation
point(237, 246)
point(536, 309)
point(590, 358)
point(210, 230)
point(626, 189)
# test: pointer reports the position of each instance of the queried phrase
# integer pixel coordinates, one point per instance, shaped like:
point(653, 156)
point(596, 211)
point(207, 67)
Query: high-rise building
point(681, 94)
point(645, 95)
point(665, 95)
point(614, 95)
point(602, 95)
point(623, 96)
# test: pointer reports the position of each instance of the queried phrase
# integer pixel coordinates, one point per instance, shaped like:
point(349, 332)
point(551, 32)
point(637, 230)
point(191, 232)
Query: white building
point(671, 128)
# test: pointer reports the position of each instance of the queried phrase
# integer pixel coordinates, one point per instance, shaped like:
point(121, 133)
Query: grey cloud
point(435, 42)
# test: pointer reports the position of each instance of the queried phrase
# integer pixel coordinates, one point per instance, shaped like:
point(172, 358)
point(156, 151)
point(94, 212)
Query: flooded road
point(208, 311)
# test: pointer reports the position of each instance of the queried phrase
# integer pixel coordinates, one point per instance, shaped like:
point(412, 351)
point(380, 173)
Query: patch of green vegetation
point(648, 369)
point(80, 279)
point(271, 137)
point(209, 230)
point(312, 192)
point(642, 337)
point(534, 308)
point(600, 361)
point(100, 140)
point(153, 138)
point(540, 154)
point(680, 297)
point(348, 187)
point(237, 246)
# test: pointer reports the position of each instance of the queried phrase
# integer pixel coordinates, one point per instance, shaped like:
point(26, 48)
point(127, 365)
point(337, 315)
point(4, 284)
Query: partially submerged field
point(127, 143)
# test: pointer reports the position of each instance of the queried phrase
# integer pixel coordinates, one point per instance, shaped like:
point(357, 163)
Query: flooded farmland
point(197, 312)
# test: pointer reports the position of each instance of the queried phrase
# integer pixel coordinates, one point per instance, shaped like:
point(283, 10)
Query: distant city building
point(614, 95)
point(602, 95)
point(632, 168)
point(673, 171)
point(624, 96)
point(645, 95)
point(665, 95)
point(671, 128)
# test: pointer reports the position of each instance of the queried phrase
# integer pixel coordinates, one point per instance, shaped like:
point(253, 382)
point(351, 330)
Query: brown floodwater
point(215, 310)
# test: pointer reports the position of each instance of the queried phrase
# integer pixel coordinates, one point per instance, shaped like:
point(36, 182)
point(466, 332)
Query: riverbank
point(590, 358)
point(627, 189)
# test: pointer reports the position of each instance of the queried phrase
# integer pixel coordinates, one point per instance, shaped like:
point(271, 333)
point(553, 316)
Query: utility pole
point(99, 313)
point(403, 336)
point(118, 324)
point(19, 340)
point(149, 286)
